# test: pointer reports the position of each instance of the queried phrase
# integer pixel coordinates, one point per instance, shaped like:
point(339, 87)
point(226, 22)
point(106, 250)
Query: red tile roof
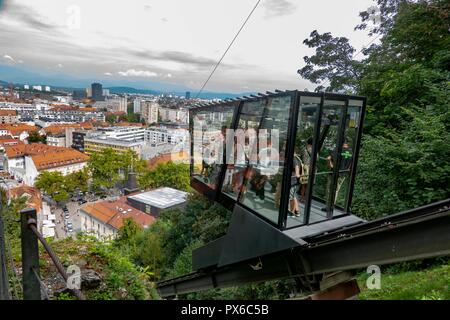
point(26, 149)
point(46, 157)
point(8, 113)
point(35, 199)
point(114, 213)
point(58, 158)
point(60, 128)
point(176, 157)
point(16, 129)
point(10, 142)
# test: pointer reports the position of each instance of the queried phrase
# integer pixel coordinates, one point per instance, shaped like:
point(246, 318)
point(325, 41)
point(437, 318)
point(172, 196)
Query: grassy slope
point(121, 279)
point(429, 284)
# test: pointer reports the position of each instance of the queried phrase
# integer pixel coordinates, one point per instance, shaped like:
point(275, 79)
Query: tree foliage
point(168, 174)
point(109, 167)
point(332, 61)
point(405, 158)
point(59, 187)
point(35, 137)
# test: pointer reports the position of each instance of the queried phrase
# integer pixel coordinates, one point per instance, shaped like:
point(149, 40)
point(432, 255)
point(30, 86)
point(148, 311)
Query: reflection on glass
point(302, 160)
point(260, 141)
point(324, 186)
point(210, 129)
point(346, 156)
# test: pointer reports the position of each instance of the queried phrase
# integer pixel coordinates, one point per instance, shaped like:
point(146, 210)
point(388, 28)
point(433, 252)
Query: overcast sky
point(174, 41)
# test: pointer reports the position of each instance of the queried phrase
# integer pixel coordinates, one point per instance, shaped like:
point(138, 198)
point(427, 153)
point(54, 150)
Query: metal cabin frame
point(296, 96)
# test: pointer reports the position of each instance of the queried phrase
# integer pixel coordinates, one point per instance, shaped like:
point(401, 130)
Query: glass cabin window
point(209, 135)
point(254, 178)
point(301, 168)
point(352, 123)
point(324, 189)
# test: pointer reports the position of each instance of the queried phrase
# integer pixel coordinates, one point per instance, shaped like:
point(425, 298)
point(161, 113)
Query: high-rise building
point(123, 104)
point(89, 92)
point(137, 105)
point(106, 92)
point(79, 94)
point(149, 111)
point(97, 92)
point(188, 94)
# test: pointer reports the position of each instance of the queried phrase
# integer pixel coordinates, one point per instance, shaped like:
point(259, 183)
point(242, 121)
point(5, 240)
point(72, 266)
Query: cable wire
point(228, 48)
point(364, 47)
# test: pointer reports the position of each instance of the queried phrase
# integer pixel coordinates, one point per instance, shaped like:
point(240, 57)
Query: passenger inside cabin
point(293, 192)
point(346, 159)
point(305, 169)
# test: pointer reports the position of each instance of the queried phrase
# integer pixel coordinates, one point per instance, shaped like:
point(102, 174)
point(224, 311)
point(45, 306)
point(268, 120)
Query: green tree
point(149, 250)
point(111, 119)
point(109, 167)
point(128, 231)
point(201, 220)
point(168, 174)
point(333, 61)
point(77, 180)
point(105, 168)
point(404, 161)
point(54, 184)
point(35, 137)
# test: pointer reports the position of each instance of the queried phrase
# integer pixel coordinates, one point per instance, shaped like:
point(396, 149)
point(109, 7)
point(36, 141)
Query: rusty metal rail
point(30, 258)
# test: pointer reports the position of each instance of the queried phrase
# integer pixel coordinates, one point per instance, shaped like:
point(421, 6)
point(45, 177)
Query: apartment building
point(97, 144)
point(25, 162)
point(124, 133)
point(174, 114)
point(149, 111)
point(9, 116)
point(157, 135)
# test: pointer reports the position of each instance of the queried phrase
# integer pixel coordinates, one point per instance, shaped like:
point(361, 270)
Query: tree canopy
point(109, 167)
point(405, 156)
point(168, 174)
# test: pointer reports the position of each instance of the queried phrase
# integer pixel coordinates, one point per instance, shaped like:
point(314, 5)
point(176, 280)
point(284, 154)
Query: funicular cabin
point(285, 164)
point(285, 160)
point(314, 140)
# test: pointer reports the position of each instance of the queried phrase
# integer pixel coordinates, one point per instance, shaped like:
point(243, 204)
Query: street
point(61, 222)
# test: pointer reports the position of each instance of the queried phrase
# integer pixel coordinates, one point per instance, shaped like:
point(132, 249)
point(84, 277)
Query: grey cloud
point(278, 8)
point(46, 49)
point(27, 16)
point(176, 56)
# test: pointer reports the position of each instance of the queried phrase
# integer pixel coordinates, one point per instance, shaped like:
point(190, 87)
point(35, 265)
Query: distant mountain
point(58, 80)
point(119, 90)
point(203, 95)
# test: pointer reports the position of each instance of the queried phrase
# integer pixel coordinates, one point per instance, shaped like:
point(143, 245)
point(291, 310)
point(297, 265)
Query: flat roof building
point(155, 201)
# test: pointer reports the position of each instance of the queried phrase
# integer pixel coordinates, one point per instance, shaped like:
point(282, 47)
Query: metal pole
point(30, 257)
point(32, 227)
point(4, 287)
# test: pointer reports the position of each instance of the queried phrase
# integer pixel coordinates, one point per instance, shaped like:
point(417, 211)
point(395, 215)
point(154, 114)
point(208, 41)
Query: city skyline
point(117, 45)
